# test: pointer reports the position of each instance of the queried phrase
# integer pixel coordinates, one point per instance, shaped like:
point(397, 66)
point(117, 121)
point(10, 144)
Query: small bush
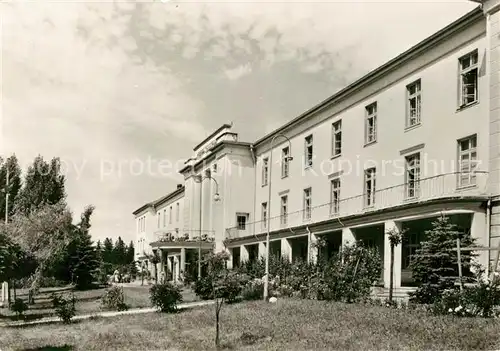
point(203, 288)
point(114, 300)
point(165, 296)
point(253, 290)
point(65, 307)
point(19, 307)
point(479, 300)
point(231, 287)
point(283, 291)
point(348, 276)
point(51, 282)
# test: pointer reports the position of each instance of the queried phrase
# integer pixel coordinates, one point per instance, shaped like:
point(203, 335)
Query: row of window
point(141, 224)
point(177, 214)
point(467, 149)
point(468, 90)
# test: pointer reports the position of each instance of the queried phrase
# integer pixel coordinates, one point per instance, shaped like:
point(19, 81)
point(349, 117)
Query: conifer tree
point(120, 252)
point(435, 264)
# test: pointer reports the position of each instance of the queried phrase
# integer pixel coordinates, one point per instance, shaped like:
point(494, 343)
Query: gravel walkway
point(46, 320)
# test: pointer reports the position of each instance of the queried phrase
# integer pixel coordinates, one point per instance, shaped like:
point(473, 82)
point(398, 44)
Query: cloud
point(238, 72)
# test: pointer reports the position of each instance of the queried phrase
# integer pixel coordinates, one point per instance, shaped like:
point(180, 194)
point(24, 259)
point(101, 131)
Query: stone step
point(401, 292)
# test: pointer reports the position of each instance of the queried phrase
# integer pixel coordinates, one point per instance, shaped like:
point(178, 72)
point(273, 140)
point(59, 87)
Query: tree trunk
point(391, 272)
point(217, 311)
point(9, 295)
point(14, 287)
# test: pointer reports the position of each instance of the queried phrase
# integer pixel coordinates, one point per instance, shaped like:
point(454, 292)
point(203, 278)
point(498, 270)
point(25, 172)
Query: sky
point(116, 89)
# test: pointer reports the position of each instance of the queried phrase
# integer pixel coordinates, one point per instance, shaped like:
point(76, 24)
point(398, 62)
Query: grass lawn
point(88, 301)
point(286, 325)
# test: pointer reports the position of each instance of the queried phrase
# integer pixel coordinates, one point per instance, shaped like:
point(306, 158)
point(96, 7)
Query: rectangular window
point(370, 176)
point(165, 217)
point(335, 196)
point(284, 210)
point(285, 162)
point(414, 101)
point(371, 123)
point(467, 149)
point(170, 215)
point(264, 215)
point(468, 79)
point(241, 220)
point(337, 138)
point(265, 170)
point(177, 212)
point(309, 151)
point(307, 204)
point(158, 215)
point(412, 176)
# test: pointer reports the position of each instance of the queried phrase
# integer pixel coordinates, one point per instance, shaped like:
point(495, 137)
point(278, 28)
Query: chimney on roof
point(179, 186)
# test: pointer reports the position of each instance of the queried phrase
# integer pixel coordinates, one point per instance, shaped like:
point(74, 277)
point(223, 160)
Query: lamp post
point(216, 199)
point(6, 190)
point(7, 196)
point(287, 158)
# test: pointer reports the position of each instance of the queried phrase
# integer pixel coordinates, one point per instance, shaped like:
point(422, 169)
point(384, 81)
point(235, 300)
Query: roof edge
point(224, 126)
point(167, 197)
point(141, 209)
point(159, 201)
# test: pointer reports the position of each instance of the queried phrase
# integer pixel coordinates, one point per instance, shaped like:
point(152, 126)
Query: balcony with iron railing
point(444, 186)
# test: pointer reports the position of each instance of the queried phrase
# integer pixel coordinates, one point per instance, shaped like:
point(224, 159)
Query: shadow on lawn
point(52, 348)
point(26, 317)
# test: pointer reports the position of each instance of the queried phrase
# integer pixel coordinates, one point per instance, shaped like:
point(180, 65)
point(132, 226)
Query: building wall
point(442, 124)
point(170, 222)
point(146, 233)
point(493, 44)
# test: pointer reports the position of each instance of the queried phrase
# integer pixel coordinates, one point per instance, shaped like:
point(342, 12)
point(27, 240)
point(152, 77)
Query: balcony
point(444, 186)
point(168, 239)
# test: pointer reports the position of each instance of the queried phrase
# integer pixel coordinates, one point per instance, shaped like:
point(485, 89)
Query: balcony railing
point(431, 188)
point(165, 237)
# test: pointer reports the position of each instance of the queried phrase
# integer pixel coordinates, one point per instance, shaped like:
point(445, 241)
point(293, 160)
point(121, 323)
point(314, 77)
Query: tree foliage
point(43, 185)
point(12, 165)
point(43, 234)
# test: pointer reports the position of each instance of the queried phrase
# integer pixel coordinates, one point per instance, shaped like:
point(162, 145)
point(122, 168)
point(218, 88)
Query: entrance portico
point(180, 258)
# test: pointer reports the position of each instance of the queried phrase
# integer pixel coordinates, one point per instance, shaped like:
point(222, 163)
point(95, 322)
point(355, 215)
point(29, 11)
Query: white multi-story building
point(414, 139)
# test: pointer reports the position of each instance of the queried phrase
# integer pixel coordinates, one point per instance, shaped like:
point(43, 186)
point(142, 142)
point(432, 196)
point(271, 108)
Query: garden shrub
point(65, 307)
point(114, 299)
point(253, 290)
point(283, 290)
point(203, 288)
point(165, 296)
point(232, 287)
point(349, 275)
point(19, 307)
point(479, 300)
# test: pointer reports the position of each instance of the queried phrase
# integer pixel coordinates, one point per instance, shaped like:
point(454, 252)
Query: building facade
point(417, 138)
